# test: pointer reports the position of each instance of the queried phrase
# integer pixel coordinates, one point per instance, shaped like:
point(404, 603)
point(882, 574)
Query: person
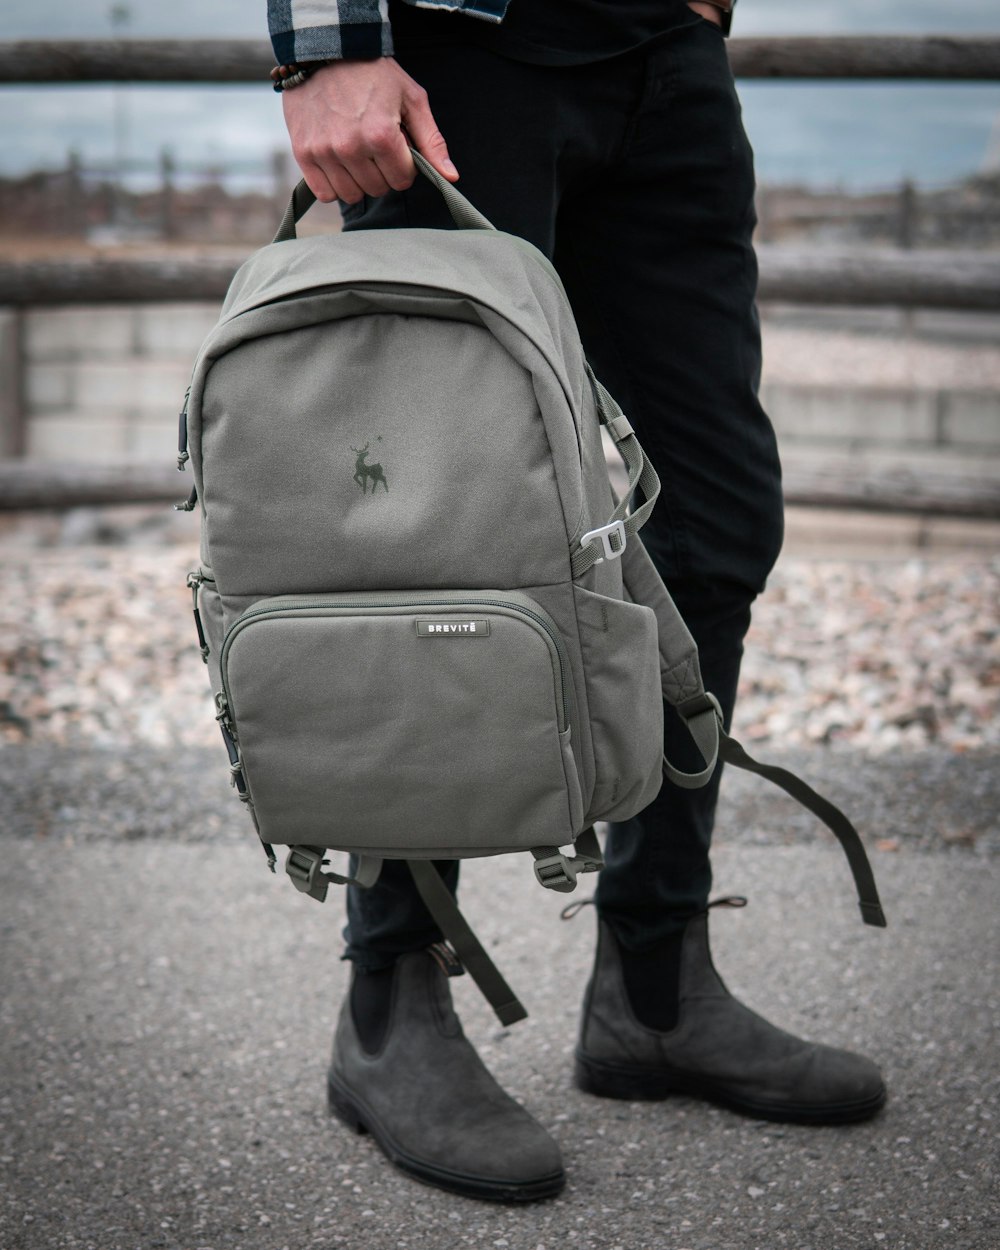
point(608, 133)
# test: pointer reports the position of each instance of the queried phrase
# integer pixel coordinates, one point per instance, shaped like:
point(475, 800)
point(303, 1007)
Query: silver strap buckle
point(616, 530)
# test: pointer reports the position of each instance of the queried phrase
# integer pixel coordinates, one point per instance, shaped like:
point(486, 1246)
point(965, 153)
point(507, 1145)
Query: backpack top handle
point(463, 214)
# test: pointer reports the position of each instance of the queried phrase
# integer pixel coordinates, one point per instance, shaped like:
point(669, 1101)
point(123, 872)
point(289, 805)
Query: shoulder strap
point(609, 541)
point(684, 690)
point(831, 816)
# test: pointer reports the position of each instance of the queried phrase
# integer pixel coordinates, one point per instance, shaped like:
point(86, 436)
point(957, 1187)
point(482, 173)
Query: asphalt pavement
point(167, 1007)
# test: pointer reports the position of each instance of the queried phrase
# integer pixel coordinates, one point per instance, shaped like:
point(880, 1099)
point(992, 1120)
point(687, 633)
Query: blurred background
point(823, 137)
point(153, 972)
point(125, 206)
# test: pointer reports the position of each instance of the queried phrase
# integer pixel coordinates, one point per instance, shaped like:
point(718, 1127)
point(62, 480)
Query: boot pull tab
point(446, 959)
point(729, 900)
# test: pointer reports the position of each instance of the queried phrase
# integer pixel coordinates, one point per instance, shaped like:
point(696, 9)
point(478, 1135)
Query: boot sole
point(346, 1108)
point(633, 1084)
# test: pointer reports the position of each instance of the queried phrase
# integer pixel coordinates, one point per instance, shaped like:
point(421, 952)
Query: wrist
point(294, 73)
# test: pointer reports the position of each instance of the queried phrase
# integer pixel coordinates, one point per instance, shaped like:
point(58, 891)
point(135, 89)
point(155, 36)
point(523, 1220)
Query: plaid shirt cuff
point(320, 30)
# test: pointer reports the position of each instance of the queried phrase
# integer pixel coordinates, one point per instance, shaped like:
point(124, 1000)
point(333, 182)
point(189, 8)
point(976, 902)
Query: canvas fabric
point(417, 649)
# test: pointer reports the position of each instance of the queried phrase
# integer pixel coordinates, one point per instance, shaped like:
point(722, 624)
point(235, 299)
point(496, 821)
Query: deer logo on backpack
point(363, 473)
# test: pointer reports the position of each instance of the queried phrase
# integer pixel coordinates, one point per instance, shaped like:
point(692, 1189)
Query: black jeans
point(635, 177)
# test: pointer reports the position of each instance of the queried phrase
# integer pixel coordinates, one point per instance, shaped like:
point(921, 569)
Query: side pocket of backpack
point(622, 671)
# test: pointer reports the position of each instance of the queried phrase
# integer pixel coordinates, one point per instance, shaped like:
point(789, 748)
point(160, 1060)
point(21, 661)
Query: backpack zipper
point(291, 603)
point(449, 293)
point(195, 582)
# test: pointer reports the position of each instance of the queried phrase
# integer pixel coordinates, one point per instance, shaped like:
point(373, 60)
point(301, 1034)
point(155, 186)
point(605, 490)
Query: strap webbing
point(703, 717)
point(442, 906)
point(305, 864)
point(301, 200)
point(641, 475)
point(588, 849)
point(684, 690)
point(831, 815)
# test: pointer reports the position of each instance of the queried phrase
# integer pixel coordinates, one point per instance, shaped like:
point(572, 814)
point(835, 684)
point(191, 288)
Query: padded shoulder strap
point(609, 541)
point(680, 672)
point(684, 690)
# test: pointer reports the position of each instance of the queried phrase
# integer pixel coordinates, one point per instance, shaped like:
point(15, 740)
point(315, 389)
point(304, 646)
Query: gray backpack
point(431, 630)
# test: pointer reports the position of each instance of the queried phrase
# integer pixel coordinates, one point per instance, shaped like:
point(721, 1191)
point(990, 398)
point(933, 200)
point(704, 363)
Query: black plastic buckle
point(304, 864)
point(557, 872)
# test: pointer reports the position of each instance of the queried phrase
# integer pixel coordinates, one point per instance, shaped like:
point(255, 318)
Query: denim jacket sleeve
point(319, 30)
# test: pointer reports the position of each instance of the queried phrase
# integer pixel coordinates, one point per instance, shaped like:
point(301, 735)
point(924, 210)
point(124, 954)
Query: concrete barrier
point(103, 385)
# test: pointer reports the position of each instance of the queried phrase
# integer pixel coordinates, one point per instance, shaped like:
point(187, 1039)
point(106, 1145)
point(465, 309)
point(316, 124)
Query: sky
point(836, 134)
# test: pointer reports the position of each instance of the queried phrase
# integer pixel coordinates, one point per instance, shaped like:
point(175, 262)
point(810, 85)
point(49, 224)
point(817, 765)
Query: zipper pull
point(222, 711)
point(190, 503)
point(183, 455)
point(236, 777)
point(195, 582)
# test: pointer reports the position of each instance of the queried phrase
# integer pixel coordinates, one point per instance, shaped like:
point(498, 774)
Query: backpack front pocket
point(428, 722)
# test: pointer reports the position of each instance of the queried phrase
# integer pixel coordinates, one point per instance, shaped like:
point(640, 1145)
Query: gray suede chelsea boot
point(719, 1050)
point(429, 1101)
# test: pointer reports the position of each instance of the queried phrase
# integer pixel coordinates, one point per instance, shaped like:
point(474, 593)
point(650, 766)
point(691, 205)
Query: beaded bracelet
point(285, 77)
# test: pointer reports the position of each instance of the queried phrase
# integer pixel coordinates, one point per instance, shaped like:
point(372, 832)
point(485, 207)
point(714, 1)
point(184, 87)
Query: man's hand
point(345, 123)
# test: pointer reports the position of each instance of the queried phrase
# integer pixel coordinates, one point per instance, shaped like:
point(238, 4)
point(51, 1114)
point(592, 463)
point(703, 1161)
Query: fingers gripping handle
point(463, 214)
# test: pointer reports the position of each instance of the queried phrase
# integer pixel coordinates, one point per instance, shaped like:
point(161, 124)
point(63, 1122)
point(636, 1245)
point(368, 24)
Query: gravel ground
point(874, 676)
point(97, 649)
point(166, 1004)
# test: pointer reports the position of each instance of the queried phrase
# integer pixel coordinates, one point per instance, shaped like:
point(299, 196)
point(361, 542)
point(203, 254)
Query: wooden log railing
point(869, 277)
point(974, 58)
point(827, 481)
point(825, 276)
